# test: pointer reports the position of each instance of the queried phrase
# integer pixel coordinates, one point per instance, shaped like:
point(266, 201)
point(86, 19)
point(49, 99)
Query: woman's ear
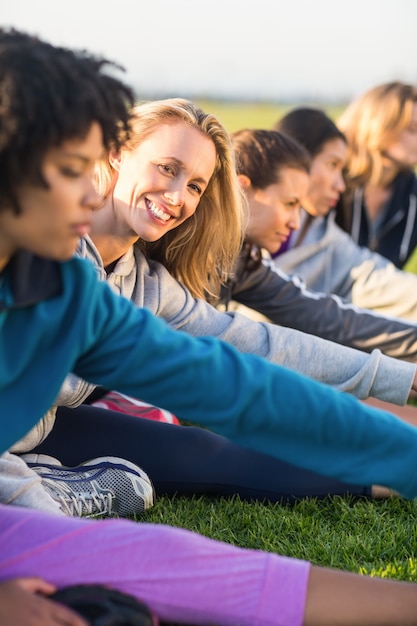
point(115, 159)
point(244, 181)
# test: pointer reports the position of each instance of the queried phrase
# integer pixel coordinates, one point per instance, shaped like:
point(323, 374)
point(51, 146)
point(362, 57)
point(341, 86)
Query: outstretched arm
point(104, 339)
point(285, 300)
point(337, 598)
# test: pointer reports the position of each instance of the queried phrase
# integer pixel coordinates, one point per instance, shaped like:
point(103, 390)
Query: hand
point(23, 602)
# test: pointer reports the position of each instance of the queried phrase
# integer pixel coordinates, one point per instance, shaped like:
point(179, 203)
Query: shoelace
point(89, 505)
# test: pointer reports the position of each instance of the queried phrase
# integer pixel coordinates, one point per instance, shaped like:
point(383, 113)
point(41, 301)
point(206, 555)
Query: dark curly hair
point(50, 94)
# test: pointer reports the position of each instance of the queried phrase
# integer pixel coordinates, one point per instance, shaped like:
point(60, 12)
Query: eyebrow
point(77, 155)
point(333, 155)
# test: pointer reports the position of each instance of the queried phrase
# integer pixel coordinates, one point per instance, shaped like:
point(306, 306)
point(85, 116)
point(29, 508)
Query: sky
point(267, 50)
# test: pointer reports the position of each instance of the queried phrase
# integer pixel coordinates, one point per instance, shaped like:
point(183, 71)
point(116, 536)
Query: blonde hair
point(202, 250)
point(371, 123)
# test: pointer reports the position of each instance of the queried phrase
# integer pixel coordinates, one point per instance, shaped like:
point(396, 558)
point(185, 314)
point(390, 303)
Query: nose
point(295, 219)
point(175, 196)
point(340, 184)
point(92, 198)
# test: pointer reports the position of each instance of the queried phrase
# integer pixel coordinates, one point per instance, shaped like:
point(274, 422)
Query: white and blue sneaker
point(103, 486)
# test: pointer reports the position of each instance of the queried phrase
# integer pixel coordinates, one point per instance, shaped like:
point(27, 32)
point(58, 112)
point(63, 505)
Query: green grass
point(237, 115)
point(359, 535)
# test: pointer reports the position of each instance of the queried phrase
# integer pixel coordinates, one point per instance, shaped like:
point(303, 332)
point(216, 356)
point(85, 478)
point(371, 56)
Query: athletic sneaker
point(103, 486)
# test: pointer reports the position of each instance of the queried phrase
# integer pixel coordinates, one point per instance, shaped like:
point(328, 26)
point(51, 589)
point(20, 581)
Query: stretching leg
point(184, 459)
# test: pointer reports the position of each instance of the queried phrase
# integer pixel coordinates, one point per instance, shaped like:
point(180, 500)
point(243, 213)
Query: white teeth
point(155, 210)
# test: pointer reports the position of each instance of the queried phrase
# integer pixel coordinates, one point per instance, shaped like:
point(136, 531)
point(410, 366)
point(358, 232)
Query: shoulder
point(79, 277)
point(149, 268)
point(405, 183)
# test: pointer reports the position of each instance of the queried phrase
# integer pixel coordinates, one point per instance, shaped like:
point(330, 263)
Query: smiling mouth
point(157, 212)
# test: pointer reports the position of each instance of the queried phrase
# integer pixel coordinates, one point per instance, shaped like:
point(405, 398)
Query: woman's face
point(53, 219)
point(160, 183)
point(274, 212)
point(403, 150)
point(326, 178)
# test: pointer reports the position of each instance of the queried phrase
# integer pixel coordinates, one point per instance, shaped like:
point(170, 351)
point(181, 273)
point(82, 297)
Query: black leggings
point(184, 459)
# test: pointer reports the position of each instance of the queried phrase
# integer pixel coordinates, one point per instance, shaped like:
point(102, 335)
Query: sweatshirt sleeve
point(21, 486)
point(286, 300)
point(330, 261)
point(182, 576)
point(363, 375)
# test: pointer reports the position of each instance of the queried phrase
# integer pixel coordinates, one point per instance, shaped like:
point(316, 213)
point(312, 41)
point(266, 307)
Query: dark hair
point(260, 154)
point(310, 127)
point(104, 606)
point(49, 94)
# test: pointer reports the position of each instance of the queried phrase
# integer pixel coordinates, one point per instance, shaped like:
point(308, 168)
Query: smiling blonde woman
point(186, 144)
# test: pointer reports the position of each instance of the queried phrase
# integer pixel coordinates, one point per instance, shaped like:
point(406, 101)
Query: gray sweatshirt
point(329, 261)
point(285, 300)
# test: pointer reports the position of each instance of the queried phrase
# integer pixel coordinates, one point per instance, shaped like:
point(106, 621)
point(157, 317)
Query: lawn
point(237, 115)
point(359, 535)
point(376, 537)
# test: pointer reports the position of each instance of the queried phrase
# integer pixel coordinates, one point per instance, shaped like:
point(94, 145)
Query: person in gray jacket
point(193, 460)
point(323, 256)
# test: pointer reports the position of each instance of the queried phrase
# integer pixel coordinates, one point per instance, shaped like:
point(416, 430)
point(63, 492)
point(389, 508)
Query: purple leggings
point(181, 575)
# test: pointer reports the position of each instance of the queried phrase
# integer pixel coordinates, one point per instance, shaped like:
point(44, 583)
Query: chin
point(65, 254)
point(322, 212)
point(64, 257)
point(312, 211)
point(54, 256)
point(272, 249)
point(151, 238)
